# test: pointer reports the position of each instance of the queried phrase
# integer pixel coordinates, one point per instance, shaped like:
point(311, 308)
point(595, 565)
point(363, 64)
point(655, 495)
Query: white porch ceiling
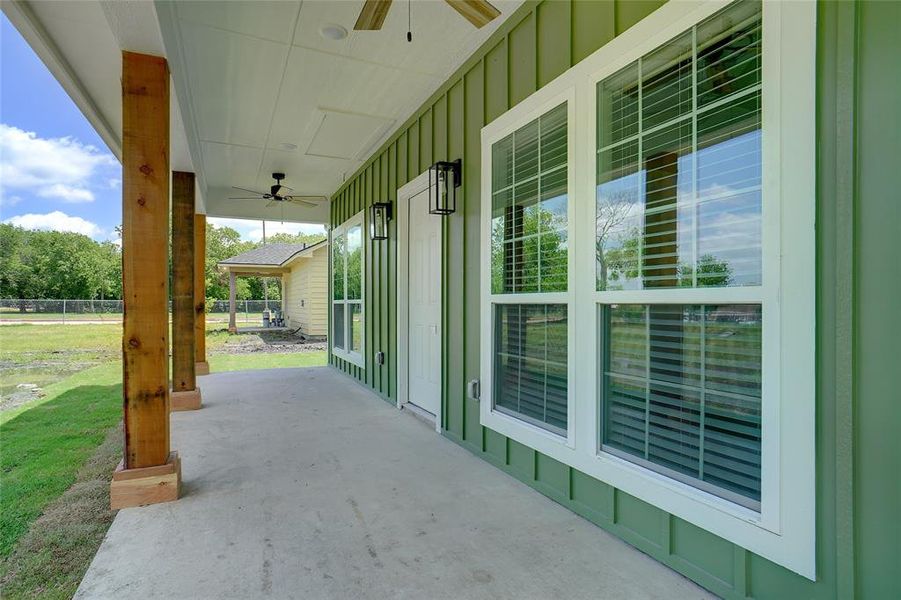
point(264, 91)
point(257, 88)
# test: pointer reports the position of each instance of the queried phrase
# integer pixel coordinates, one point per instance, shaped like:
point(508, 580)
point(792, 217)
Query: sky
point(55, 171)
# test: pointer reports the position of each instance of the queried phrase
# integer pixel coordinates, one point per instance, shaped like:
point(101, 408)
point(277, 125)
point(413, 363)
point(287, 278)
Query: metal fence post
point(64, 310)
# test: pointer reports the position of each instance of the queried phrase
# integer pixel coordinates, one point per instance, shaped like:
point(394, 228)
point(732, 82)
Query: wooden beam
point(148, 485)
point(372, 15)
point(201, 366)
point(145, 259)
point(185, 395)
point(232, 302)
point(477, 12)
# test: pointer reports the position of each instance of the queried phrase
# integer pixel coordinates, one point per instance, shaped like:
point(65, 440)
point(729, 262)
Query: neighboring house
point(302, 271)
point(305, 291)
point(664, 294)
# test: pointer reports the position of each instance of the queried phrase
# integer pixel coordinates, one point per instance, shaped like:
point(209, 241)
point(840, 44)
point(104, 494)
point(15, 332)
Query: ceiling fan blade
point(234, 187)
point(271, 203)
point(373, 15)
point(247, 198)
point(477, 12)
point(301, 201)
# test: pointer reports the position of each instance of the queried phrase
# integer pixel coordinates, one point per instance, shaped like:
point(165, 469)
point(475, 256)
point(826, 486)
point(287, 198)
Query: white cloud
point(56, 221)
point(253, 230)
point(66, 193)
point(54, 168)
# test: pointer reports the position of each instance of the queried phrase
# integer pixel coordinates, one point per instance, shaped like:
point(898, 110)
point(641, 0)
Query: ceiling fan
point(477, 12)
point(279, 193)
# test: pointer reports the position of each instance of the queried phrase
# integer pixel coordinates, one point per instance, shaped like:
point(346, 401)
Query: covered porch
point(302, 483)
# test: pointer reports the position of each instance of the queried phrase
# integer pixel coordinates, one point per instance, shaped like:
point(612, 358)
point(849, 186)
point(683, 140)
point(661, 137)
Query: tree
point(541, 249)
point(54, 264)
point(221, 243)
point(300, 238)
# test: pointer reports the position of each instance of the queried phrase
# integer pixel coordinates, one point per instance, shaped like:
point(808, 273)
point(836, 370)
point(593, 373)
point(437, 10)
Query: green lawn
point(50, 529)
point(44, 446)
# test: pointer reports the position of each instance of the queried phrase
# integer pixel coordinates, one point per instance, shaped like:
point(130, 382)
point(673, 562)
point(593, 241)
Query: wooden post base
point(147, 485)
point(189, 400)
point(202, 368)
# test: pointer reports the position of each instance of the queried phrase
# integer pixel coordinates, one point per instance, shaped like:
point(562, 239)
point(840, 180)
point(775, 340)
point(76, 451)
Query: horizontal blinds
point(682, 391)
point(679, 161)
point(530, 363)
point(529, 241)
point(338, 325)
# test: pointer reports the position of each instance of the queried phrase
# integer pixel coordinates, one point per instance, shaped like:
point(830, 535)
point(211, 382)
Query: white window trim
point(784, 529)
point(357, 357)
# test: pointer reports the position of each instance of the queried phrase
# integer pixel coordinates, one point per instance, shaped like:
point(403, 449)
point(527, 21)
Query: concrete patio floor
point(300, 483)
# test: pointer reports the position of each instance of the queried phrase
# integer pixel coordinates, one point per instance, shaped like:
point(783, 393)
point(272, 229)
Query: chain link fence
point(247, 312)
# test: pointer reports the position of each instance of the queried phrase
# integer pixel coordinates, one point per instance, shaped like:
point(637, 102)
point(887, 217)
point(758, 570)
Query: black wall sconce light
point(444, 179)
point(378, 221)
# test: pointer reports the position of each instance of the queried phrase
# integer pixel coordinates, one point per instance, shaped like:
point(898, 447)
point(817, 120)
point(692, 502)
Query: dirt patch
point(50, 560)
point(268, 341)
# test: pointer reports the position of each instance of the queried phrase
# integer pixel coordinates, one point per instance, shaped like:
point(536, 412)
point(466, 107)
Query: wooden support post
point(232, 302)
point(185, 393)
point(145, 277)
point(201, 366)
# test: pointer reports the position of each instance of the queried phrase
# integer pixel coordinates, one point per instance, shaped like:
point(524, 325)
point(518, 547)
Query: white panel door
point(425, 306)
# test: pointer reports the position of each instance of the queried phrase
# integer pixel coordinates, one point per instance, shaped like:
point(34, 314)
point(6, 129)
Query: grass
point(44, 447)
point(57, 452)
point(44, 354)
point(51, 558)
point(241, 318)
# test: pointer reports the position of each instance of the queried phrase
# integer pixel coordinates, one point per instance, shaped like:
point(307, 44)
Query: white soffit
point(346, 136)
point(262, 91)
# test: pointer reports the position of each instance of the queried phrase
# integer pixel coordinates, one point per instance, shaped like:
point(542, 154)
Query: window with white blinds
point(529, 207)
point(531, 363)
point(679, 204)
point(347, 290)
point(679, 161)
point(647, 309)
point(682, 390)
point(530, 261)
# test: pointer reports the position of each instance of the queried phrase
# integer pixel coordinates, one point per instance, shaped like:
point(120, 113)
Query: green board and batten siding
point(858, 403)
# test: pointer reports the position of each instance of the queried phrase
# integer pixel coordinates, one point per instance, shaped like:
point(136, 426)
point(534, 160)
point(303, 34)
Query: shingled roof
point(270, 255)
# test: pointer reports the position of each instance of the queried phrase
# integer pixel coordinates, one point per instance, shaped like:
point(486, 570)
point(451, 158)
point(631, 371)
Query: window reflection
point(529, 208)
point(678, 199)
